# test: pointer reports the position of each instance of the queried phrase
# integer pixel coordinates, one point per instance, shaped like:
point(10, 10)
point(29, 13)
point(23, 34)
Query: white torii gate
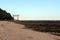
point(16, 17)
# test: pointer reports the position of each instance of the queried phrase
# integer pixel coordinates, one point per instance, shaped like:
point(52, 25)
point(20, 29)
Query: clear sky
point(33, 9)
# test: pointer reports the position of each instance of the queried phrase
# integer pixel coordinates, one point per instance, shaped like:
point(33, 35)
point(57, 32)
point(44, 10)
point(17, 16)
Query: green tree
point(5, 15)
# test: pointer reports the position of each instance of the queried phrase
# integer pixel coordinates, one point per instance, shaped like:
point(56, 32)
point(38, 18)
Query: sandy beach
point(14, 31)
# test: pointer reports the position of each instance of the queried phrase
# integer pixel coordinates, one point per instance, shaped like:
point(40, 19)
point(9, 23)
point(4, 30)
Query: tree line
point(5, 15)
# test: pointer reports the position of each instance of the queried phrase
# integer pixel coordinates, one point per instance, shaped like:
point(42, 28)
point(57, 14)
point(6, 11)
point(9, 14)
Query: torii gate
point(16, 17)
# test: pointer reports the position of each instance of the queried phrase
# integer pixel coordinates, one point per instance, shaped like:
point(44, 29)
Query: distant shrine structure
point(16, 17)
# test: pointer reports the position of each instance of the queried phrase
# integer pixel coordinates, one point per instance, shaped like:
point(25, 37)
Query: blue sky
point(33, 9)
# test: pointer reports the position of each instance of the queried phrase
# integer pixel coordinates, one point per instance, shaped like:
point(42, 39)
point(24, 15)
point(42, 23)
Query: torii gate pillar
point(16, 17)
